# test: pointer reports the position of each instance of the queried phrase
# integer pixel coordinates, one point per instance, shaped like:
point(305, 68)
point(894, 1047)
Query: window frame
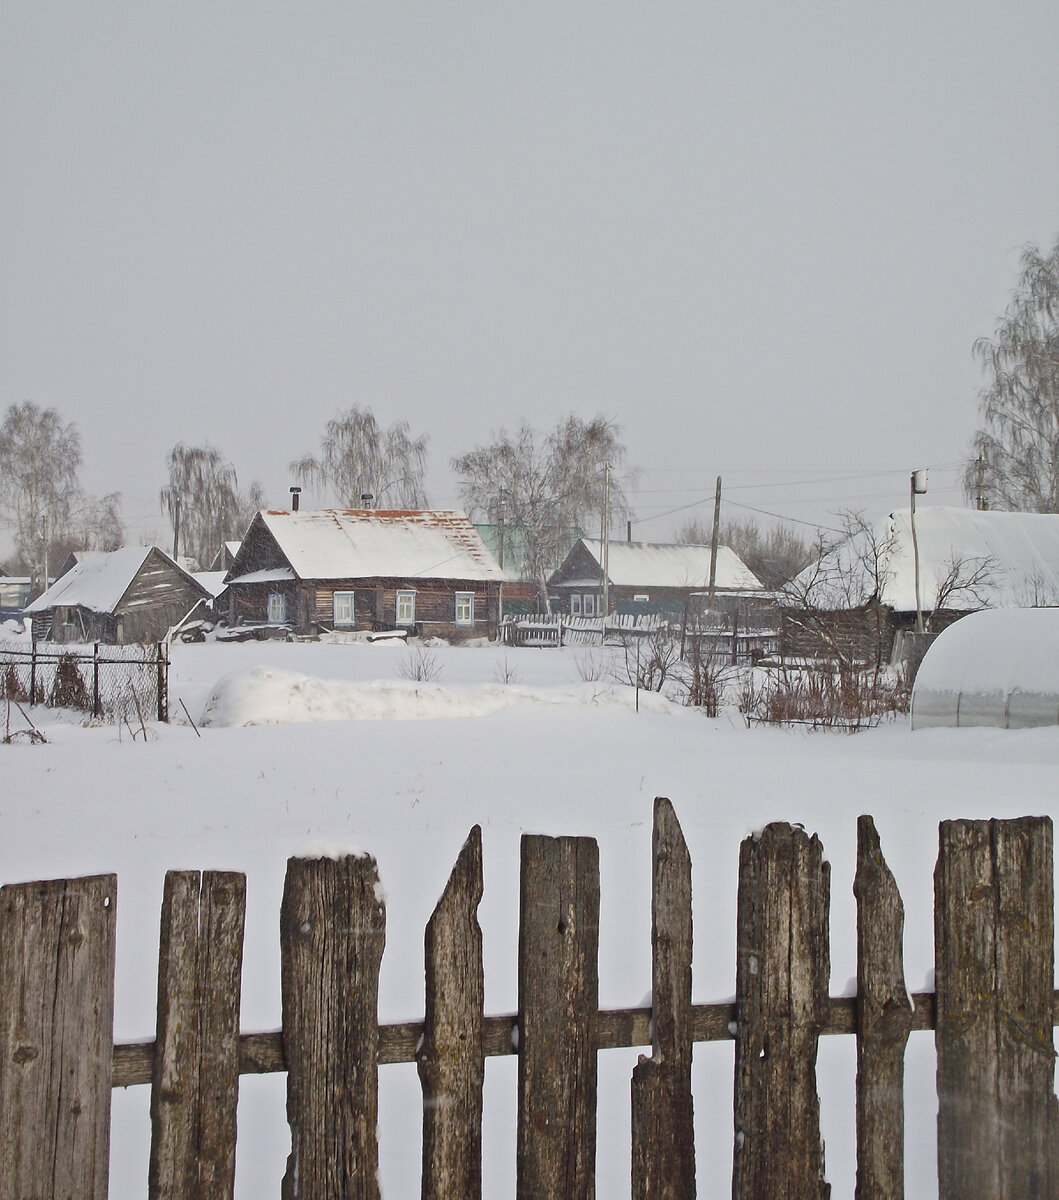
point(575, 604)
point(336, 620)
point(469, 619)
point(277, 600)
point(404, 594)
point(588, 607)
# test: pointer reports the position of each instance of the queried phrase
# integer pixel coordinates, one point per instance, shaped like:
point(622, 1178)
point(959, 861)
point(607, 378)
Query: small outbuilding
point(136, 594)
point(998, 668)
point(351, 570)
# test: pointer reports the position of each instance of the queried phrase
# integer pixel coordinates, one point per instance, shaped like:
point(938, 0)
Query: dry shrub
point(11, 685)
point(68, 690)
point(824, 696)
point(421, 665)
point(703, 676)
point(647, 662)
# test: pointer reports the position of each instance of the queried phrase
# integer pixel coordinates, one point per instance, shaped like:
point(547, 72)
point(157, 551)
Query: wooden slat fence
point(992, 1016)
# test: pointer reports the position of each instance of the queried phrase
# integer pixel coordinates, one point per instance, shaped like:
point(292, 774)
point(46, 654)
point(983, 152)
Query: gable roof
point(671, 565)
point(1019, 550)
point(353, 543)
point(100, 580)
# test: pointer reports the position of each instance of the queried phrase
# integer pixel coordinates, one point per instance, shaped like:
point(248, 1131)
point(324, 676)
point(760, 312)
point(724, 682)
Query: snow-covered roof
point(99, 581)
point(669, 565)
point(998, 668)
point(272, 575)
point(1015, 554)
point(212, 581)
point(333, 543)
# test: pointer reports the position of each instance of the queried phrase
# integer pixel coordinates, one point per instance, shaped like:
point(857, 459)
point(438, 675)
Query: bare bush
point(506, 674)
point(590, 666)
point(69, 690)
point(825, 696)
point(421, 665)
point(703, 676)
point(647, 662)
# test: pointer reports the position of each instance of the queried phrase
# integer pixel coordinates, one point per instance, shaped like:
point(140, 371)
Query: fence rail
point(992, 1015)
point(124, 683)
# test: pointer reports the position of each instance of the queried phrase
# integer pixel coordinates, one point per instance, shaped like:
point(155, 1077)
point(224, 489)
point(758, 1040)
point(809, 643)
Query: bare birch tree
point(203, 502)
point(547, 485)
point(1016, 453)
point(775, 554)
point(358, 456)
point(40, 456)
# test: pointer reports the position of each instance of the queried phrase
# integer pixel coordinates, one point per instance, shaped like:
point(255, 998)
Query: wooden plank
point(616, 1028)
point(195, 1084)
point(450, 1059)
point(558, 989)
point(663, 1131)
point(332, 933)
point(56, 1037)
point(884, 1019)
point(782, 967)
point(994, 962)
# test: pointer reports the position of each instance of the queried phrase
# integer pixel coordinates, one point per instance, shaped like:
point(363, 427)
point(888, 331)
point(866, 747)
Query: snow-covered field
point(311, 742)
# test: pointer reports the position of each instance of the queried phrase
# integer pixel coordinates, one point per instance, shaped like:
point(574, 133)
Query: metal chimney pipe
point(294, 493)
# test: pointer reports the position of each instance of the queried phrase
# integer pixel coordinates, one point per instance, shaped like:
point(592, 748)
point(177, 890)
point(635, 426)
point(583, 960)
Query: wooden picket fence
point(992, 1015)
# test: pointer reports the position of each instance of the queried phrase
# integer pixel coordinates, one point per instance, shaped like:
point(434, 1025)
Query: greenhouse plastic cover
point(998, 668)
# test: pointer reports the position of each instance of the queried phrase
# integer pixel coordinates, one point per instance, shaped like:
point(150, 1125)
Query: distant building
point(968, 560)
point(647, 577)
point(136, 594)
point(317, 570)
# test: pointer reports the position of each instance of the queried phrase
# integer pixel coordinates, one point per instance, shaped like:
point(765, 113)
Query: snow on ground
point(308, 745)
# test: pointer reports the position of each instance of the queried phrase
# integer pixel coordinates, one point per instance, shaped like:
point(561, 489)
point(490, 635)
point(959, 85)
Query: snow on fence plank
point(993, 1016)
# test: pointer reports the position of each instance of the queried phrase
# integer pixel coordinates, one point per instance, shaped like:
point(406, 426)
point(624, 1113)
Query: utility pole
point(917, 487)
point(979, 485)
point(500, 529)
point(606, 548)
point(713, 544)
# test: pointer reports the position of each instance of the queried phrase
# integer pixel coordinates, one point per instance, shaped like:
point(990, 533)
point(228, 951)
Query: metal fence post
point(163, 683)
point(33, 672)
point(96, 710)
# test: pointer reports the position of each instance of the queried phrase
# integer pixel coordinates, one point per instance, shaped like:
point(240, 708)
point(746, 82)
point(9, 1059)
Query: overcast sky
point(762, 237)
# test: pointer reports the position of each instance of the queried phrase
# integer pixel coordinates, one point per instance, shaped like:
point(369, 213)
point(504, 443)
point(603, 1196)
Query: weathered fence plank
point(884, 1020)
point(195, 1079)
point(56, 1037)
point(994, 956)
point(782, 968)
point(558, 989)
point(332, 933)
point(663, 1133)
point(450, 1058)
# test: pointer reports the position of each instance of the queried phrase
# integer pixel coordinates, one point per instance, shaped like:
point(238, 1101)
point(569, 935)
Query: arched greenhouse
point(999, 668)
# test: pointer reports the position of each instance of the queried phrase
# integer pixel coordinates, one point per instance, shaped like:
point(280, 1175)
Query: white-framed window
point(342, 603)
point(465, 608)
point(575, 604)
point(642, 598)
point(589, 605)
point(406, 608)
point(277, 608)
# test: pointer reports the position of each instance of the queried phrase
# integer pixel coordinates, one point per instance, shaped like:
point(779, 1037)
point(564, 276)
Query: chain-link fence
point(120, 683)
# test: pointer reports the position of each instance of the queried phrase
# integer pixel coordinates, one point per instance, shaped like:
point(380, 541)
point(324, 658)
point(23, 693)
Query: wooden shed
point(136, 594)
point(321, 570)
